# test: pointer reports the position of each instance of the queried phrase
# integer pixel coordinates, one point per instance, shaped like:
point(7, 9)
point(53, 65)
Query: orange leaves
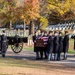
point(21, 9)
point(32, 9)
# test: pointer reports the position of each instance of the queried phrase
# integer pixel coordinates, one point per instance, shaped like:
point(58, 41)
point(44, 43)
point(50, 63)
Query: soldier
point(36, 48)
point(45, 39)
point(50, 46)
point(66, 44)
point(4, 44)
point(60, 45)
point(56, 45)
point(41, 48)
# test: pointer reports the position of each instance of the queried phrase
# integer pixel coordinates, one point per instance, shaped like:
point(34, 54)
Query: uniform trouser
point(0, 51)
point(41, 54)
point(45, 52)
point(55, 56)
point(58, 57)
point(37, 54)
point(50, 56)
point(3, 53)
point(4, 48)
point(65, 55)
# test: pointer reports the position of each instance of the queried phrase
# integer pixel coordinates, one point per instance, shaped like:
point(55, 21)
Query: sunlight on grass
point(71, 51)
point(11, 62)
point(29, 48)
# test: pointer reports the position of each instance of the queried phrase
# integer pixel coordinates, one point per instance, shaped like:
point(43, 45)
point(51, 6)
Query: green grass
point(71, 51)
point(13, 62)
point(16, 63)
point(32, 49)
point(29, 48)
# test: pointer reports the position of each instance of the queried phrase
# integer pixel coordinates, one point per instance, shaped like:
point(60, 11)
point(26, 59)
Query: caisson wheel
point(17, 47)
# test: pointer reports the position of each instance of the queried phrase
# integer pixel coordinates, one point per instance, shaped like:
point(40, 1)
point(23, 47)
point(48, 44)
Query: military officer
point(66, 44)
point(4, 43)
point(60, 45)
point(41, 48)
point(56, 44)
point(50, 46)
point(45, 41)
point(36, 48)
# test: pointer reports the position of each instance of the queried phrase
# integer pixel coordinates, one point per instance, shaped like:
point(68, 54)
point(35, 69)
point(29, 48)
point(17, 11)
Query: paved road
point(29, 55)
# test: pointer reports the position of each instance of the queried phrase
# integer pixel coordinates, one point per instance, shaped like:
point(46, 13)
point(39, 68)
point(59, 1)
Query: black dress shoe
point(41, 59)
point(64, 58)
point(0, 52)
point(37, 58)
point(3, 55)
point(45, 58)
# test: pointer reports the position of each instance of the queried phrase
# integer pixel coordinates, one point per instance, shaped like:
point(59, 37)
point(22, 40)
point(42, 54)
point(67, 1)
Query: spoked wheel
point(17, 47)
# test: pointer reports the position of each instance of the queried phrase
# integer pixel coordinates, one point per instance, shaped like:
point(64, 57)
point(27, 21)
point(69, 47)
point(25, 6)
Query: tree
point(54, 11)
point(62, 7)
point(7, 11)
point(43, 20)
point(44, 11)
point(30, 13)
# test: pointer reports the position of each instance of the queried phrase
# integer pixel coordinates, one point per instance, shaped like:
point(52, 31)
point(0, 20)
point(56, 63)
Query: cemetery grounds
point(15, 64)
point(25, 64)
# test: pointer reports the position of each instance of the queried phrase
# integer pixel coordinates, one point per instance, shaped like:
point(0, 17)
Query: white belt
point(4, 41)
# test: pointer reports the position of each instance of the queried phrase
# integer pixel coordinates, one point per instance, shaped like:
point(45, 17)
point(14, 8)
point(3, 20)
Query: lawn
point(18, 66)
point(9, 66)
point(71, 47)
point(71, 51)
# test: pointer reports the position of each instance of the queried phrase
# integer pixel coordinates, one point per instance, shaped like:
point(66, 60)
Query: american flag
point(45, 39)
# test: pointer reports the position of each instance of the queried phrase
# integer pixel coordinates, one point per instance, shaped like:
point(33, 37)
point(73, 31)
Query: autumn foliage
point(31, 10)
point(44, 11)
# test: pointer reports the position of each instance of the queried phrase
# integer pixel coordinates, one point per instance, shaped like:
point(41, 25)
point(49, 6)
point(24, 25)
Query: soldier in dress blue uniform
point(36, 48)
point(45, 50)
point(50, 46)
point(60, 45)
point(41, 48)
point(4, 43)
point(56, 44)
point(66, 44)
